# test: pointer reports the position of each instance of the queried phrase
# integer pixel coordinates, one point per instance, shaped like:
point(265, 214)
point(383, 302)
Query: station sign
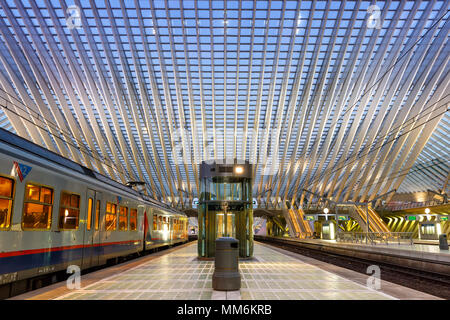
point(309, 217)
point(410, 218)
point(343, 218)
point(444, 218)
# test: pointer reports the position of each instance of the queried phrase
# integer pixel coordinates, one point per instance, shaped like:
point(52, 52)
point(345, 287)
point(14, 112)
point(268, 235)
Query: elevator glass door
point(225, 225)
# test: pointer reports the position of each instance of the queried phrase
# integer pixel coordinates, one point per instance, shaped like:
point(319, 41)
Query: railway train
point(55, 213)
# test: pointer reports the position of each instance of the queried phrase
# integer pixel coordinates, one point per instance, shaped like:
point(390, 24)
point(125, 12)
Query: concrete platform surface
point(272, 274)
point(418, 251)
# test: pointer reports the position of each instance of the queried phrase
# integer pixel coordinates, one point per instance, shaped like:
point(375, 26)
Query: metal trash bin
point(443, 244)
point(226, 276)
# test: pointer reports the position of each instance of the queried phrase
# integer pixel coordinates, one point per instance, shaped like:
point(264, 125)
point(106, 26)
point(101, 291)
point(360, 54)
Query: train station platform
point(423, 257)
point(177, 273)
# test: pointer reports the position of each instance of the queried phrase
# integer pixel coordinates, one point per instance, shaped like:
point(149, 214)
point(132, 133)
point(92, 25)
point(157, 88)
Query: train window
point(160, 223)
point(69, 211)
point(97, 215)
point(89, 214)
point(6, 201)
point(38, 204)
point(133, 219)
point(111, 216)
point(166, 224)
point(155, 222)
point(123, 218)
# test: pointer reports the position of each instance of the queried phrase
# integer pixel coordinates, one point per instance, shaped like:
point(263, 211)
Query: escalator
point(375, 222)
point(294, 222)
point(301, 227)
point(306, 226)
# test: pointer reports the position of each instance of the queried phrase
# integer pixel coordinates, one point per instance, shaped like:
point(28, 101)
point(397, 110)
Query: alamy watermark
point(374, 20)
point(374, 281)
point(74, 280)
point(74, 19)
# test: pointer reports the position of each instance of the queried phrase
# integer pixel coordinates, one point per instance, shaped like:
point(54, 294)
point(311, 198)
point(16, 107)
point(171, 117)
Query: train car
point(55, 213)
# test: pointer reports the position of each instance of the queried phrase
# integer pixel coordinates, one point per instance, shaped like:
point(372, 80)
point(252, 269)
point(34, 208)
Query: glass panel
point(65, 199)
point(69, 211)
point(89, 214)
point(133, 219)
point(32, 192)
point(165, 225)
point(46, 195)
point(220, 225)
point(68, 218)
point(231, 226)
point(155, 224)
point(36, 216)
point(5, 213)
point(97, 215)
point(6, 187)
point(75, 201)
point(110, 222)
point(428, 229)
point(123, 218)
point(110, 217)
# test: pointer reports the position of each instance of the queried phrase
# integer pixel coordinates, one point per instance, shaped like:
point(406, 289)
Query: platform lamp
point(326, 213)
point(427, 212)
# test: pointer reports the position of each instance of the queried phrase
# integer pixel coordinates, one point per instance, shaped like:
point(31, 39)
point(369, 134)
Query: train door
point(92, 229)
point(146, 223)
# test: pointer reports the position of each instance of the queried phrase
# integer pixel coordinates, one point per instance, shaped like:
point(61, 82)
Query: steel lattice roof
point(342, 98)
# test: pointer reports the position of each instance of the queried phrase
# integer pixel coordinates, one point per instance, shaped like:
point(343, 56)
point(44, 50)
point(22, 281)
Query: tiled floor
point(277, 276)
point(180, 275)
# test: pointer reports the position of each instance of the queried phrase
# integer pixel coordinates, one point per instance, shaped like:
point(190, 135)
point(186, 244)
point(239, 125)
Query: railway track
point(428, 282)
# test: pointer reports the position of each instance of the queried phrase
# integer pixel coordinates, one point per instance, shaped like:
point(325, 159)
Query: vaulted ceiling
point(341, 98)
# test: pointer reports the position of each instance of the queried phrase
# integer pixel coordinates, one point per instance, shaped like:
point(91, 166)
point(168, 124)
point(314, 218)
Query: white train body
point(28, 251)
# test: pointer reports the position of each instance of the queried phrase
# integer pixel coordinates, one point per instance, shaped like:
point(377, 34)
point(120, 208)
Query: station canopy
point(347, 99)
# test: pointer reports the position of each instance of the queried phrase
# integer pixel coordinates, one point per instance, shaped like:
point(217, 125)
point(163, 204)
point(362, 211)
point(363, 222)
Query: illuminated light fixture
point(427, 212)
point(239, 170)
point(326, 213)
point(66, 213)
point(332, 233)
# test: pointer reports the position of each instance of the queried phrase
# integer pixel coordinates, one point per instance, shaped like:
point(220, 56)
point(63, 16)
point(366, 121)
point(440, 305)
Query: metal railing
point(409, 205)
point(304, 235)
point(374, 238)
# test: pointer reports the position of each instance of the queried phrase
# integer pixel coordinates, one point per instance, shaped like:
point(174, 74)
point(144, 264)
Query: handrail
point(397, 207)
point(376, 237)
point(294, 221)
point(304, 235)
point(305, 223)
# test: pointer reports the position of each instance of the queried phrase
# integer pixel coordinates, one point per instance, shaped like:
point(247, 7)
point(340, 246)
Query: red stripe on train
point(34, 251)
